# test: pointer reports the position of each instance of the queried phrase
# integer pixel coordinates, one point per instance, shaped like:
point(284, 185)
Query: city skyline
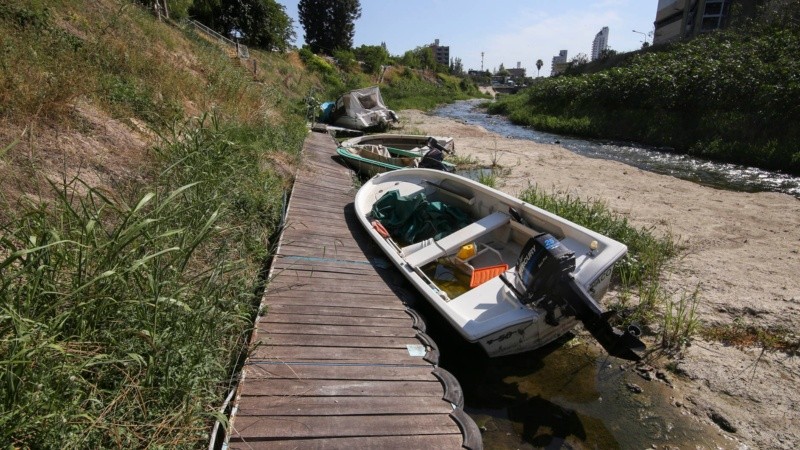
point(518, 31)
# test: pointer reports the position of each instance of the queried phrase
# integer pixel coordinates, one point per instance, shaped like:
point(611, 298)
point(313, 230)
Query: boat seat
point(455, 240)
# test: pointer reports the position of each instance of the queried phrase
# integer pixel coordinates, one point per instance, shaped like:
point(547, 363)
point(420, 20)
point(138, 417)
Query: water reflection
point(566, 395)
point(719, 175)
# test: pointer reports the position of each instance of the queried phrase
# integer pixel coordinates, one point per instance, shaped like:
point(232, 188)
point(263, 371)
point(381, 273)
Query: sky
point(506, 32)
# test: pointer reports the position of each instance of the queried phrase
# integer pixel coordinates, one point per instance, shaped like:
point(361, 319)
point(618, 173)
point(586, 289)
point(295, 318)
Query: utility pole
point(481, 61)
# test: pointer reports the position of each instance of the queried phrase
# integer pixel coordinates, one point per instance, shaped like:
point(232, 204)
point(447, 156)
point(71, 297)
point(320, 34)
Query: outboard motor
point(545, 268)
point(432, 159)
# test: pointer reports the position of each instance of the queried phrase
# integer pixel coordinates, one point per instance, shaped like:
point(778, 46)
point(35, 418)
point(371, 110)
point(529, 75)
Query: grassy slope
point(128, 264)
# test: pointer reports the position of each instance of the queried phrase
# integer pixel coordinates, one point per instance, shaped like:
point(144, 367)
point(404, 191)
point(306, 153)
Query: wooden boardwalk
point(341, 361)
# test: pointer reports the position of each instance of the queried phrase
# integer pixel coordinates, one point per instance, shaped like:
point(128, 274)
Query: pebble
point(722, 421)
point(633, 387)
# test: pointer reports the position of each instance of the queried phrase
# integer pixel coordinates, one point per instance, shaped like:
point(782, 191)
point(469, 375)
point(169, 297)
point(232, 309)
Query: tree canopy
point(373, 57)
point(262, 23)
point(329, 24)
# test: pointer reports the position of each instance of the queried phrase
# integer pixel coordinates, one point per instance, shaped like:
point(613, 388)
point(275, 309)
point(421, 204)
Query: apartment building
point(600, 43)
point(441, 53)
point(678, 19)
point(559, 63)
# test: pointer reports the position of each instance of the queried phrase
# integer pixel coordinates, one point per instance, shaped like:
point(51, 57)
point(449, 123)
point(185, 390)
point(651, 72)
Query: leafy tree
point(207, 12)
point(346, 60)
point(410, 59)
point(607, 53)
point(373, 57)
point(426, 58)
point(502, 71)
point(178, 9)
point(457, 67)
point(329, 24)
point(421, 58)
point(539, 65)
point(263, 23)
point(579, 59)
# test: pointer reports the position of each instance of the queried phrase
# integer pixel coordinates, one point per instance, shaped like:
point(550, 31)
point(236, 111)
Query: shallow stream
point(709, 173)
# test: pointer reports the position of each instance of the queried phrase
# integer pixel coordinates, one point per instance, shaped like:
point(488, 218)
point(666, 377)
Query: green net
point(411, 219)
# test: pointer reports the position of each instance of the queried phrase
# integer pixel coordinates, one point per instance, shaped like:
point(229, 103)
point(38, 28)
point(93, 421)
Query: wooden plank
point(437, 441)
point(341, 406)
point(374, 288)
point(300, 274)
point(338, 311)
point(338, 302)
point(316, 371)
point(336, 388)
point(307, 319)
point(336, 354)
point(323, 194)
point(336, 330)
point(328, 264)
point(300, 339)
point(328, 251)
point(322, 300)
point(341, 426)
point(304, 235)
point(330, 230)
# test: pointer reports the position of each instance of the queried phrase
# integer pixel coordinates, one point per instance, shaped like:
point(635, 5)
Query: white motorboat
point(504, 273)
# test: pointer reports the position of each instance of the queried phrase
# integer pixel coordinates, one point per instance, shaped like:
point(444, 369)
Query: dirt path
point(742, 249)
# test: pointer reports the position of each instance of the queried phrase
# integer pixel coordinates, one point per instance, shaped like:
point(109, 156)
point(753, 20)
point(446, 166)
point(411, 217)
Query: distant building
point(600, 43)
point(678, 19)
point(559, 63)
point(441, 53)
point(518, 72)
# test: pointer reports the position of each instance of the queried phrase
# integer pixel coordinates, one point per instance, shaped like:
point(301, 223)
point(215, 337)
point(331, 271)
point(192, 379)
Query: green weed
point(637, 274)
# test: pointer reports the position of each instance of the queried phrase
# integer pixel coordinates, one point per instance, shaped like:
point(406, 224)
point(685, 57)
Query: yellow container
point(466, 251)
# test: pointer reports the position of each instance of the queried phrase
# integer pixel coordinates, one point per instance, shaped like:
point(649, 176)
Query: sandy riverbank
point(742, 249)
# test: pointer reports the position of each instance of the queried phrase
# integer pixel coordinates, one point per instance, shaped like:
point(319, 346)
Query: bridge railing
point(241, 50)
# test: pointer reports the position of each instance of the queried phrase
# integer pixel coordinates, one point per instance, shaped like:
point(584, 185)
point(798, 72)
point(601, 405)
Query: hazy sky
point(506, 31)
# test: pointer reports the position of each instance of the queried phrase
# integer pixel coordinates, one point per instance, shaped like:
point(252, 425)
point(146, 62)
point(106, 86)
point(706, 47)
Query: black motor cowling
point(545, 268)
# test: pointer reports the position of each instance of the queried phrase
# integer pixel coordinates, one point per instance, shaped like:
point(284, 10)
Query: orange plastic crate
point(484, 274)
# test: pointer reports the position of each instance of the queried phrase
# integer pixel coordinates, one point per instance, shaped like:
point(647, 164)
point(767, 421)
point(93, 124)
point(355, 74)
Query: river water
point(571, 395)
point(568, 395)
point(709, 173)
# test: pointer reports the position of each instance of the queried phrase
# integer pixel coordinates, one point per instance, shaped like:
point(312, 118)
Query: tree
point(579, 59)
point(539, 65)
point(457, 67)
point(502, 72)
point(329, 24)
point(606, 53)
point(262, 23)
point(373, 57)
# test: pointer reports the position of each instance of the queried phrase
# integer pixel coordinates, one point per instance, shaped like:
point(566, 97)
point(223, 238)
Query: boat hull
point(490, 314)
point(401, 141)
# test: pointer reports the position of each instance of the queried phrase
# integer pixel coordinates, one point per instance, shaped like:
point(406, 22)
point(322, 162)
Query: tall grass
point(638, 274)
point(122, 314)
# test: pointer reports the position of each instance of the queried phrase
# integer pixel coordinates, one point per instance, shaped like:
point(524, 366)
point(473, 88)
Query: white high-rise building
point(600, 43)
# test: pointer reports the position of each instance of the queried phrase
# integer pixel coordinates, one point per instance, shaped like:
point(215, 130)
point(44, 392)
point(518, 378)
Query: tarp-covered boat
point(360, 109)
point(401, 141)
point(371, 159)
point(505, 274)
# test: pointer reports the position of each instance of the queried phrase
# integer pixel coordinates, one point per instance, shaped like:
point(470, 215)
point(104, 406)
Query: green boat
point(371, 159)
